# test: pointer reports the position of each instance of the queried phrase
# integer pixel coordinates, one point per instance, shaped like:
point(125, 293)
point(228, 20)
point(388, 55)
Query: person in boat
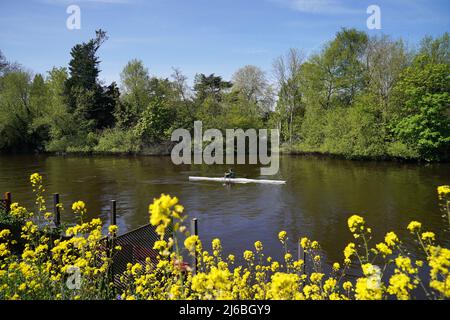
point(230, 174)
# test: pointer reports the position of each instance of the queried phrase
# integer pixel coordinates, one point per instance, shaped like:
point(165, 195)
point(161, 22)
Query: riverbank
point(392, 153)
point(285, 150)
point(302, 150)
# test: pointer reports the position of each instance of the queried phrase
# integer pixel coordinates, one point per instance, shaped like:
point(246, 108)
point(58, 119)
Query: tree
point(183, 105)
point(287, 72)
point(16, 113)
point(337, 75)
point(180, 84)
point(385, 60)
point(84, 66)
point(251, 82)
point(3, 63)
point(423, 94)
point(104, 114)
point(60, 125)
point(153, 126)
point(135, 82)
point(210, 86)
point(84, 93)
point(438, 50)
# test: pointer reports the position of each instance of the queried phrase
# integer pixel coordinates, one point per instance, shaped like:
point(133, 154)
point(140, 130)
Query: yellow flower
point(19, 212)
point(79, 207)
point(4, 251)
point(248, 255)
point(258, 246)
point(347, 285)
point(28, 254)
point(274, 266)
point(329, 285)
point(298, 264)
point(336, 266)
point(391, 239)
point(400, 286)
point(428, 236)
point(284, 286)
point(136, 269)
point(316, 277)
point(35, 179)
point(349, 251)
point(161, 213)
point(190, 243)
point(288, 257)
point(383, 249)
point(4, 233)
point(315, 245)
point(304, 242)
point(112, 229)
point(439, 262)
point(312, 292)
point(282, 236)
point(405, 265)
point(414, 226)
point(216, 245)
point(160, 245)
point(369, 287)
point(356, 224)
point(370, 269)
point(443, 190)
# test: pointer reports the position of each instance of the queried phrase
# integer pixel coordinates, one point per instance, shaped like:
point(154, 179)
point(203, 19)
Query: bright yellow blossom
point(414, 226)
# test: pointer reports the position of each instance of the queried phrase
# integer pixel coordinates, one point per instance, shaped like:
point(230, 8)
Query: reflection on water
point(316, 201)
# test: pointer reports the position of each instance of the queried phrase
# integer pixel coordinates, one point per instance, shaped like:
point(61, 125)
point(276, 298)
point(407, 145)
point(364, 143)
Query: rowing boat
point(236, 180)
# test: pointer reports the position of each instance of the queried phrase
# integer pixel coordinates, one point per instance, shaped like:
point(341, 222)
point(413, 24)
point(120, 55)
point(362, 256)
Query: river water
point(319, 196)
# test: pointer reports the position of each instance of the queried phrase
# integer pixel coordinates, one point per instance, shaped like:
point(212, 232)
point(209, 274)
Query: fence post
point(8, 201)
point(194, 232)
point(301, 256)
point(56, 210)
point(113, 213)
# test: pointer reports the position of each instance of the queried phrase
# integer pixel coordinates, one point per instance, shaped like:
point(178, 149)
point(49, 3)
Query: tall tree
point(210, 86)
point(252, 83)
point(84, 93)
point(287, 72)
point(55, 118)
point(16, 113)
point(423, 94)
point(135, 82)
point(180, 84)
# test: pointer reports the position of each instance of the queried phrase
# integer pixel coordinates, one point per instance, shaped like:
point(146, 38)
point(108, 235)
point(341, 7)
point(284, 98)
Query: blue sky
point(207, 36)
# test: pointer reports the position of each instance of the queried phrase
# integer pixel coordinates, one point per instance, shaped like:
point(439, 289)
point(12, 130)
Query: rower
point(230, 174)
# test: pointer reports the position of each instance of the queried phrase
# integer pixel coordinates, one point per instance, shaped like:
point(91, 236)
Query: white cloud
point(319, 6)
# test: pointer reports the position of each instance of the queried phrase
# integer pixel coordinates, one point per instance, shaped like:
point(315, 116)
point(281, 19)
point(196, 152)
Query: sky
point(201, 36)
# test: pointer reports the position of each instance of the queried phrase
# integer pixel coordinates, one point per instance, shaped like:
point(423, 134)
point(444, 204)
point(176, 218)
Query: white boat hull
point(237, 180)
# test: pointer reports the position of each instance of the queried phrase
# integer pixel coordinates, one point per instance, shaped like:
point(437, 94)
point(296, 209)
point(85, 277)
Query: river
point(319, 196)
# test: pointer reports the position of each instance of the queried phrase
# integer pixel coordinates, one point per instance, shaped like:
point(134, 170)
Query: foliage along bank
point(358, 97)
